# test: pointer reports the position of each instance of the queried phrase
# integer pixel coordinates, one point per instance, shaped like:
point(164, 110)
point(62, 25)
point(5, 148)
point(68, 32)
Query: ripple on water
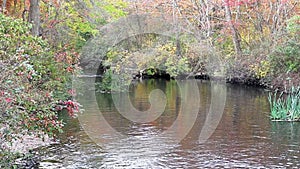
point(244, 139)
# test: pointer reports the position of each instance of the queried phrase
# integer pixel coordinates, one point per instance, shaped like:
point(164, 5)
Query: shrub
point(33, 84)
point(287, 57)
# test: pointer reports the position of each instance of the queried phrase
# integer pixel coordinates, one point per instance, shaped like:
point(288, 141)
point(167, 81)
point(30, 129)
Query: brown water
point(244, 137)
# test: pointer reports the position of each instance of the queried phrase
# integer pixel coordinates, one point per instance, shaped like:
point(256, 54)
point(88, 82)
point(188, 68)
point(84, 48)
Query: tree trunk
point(234, 33)
point(34, 17)
point(4, 6)
point(208, 18)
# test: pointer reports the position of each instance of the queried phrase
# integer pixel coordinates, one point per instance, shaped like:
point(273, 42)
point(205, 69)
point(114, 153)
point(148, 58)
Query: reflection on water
point(244, 137)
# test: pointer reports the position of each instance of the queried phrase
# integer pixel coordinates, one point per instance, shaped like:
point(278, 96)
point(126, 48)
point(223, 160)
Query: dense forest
point(41, 42)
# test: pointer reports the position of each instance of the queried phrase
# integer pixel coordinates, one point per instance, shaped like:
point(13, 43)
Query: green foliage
point(225, 44)
point(82, 19)
point(285, 108)
point(81, 29)
point(286, 57)
point(110, 82)
point(293, 25)
point(105, 82)
point(176, 66)
point(151, 71)
point(7, 159)
point(115, 8)
point(150, 53)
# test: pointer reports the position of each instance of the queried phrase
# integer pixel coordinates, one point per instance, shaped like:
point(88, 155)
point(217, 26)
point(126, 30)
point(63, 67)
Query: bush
point(286, 58)
point(33, 83)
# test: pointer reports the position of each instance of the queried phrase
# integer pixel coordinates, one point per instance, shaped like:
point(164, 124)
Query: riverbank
point(21, 150)
point(27, 143)
point(240, 75)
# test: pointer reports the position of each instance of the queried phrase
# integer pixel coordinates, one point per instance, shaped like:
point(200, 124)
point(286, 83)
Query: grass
point(285, 108)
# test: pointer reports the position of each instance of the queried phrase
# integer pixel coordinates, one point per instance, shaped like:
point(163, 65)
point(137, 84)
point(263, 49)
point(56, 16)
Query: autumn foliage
point(256, 41)
point(34, 78)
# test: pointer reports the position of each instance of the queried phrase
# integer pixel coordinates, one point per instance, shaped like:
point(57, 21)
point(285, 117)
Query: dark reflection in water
point(244, 138)
point(139, 97)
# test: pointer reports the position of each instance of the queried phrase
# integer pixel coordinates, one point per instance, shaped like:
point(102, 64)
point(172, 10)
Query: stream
point(184, 124)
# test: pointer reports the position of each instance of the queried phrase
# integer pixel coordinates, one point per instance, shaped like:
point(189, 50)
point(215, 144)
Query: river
point(202, 124)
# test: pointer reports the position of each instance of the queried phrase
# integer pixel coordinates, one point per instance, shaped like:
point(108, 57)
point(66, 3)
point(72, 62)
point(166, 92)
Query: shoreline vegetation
point(285, 107)
point(41, 44)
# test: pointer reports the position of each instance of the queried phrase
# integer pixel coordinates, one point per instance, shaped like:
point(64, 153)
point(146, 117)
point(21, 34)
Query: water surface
point(243, 138)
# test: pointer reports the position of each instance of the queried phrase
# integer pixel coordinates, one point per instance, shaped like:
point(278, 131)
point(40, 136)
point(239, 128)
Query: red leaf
point(8, 100)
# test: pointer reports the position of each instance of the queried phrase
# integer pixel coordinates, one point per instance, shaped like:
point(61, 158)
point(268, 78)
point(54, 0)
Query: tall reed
point(285, 107)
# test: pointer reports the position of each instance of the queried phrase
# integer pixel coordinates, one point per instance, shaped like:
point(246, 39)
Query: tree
point(34, 17)
point(3, 6)
point(234, 33)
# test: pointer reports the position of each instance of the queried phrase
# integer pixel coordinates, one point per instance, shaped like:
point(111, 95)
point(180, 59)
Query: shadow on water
point(244, 138)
